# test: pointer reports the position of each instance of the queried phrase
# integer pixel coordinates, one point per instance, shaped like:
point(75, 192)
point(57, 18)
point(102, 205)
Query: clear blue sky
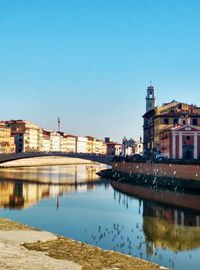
point(90, 61)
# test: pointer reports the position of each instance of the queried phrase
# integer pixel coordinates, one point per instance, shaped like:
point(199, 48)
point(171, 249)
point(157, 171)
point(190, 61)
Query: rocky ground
point(27, 248)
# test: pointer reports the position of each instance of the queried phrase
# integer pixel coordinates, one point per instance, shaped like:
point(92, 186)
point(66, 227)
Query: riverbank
point(175, 171)
point(170, 176)
point(24, 248)
point(44, 161)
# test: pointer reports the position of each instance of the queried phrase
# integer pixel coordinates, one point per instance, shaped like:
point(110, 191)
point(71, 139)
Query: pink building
point(181, 142)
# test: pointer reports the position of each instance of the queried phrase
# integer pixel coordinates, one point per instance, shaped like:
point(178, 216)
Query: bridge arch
point(104, 159)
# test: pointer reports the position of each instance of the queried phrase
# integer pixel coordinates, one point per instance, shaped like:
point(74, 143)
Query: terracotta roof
point(69, 135)
point(113, 143)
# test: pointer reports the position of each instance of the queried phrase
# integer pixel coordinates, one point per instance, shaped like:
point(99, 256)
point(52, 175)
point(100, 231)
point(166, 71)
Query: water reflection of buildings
point(172, 226)
point(168, 227)
point(40, 184)
point(52, 174)
point(18, 195)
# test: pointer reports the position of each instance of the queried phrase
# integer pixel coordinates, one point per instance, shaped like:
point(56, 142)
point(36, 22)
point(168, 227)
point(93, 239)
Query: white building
point(138, 147)
point(55, 142)
point(81, 145)
point(128, 146)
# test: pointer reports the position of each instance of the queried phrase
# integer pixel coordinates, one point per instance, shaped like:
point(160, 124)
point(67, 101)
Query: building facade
point(81, 144)
point(138, 148)
point(27, 135)
point(64, 144)
point(55, 141)
point(91, 142)
point(23, 136)
point(181, 142)
point(71, 143)
point(163, 119)
point(99, 147)
point(7, 144)
point(114, 148)
point(128, 146)
point(45, 145)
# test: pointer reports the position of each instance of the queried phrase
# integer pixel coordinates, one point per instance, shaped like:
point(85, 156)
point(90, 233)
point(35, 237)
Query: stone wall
point(161, 170)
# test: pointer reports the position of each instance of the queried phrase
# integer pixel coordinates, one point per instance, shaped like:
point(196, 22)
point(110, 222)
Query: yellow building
point(64, 143)
point(45, 141)
point(27, 135)
point(91, 142)
point(7, 144)
point(160, 123)
point(99, 147)
point(71, 143)
point(104, 149)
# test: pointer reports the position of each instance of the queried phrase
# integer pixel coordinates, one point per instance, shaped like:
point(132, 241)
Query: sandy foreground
point(22, 247)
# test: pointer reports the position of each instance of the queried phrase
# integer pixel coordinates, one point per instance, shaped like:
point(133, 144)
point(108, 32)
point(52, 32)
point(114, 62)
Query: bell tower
point(150, 98)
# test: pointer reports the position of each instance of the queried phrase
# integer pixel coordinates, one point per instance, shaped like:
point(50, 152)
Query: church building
point(172, 129)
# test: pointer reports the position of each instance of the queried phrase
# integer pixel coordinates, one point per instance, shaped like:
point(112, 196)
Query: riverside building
point(81, 144)
point(138, 147)
point(95, 146)
point(71, 143)
point(91, 142)
point(23, 136)
point(181, 141)
point(99, 147)
point(27, 135)
point(64, 143)
point(55, 141)
point(161, 122)
point(45, 141)
point(7, 144)
point(113, 148)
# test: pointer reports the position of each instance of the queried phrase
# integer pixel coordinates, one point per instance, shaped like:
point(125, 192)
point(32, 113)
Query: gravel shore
point(25, 248)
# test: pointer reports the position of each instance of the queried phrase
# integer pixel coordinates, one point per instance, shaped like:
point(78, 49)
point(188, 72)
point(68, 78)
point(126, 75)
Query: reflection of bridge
point(105, 159)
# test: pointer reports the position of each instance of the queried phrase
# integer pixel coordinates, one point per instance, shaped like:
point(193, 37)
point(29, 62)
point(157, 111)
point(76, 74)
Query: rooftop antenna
point(59, 124)
point(150, 83)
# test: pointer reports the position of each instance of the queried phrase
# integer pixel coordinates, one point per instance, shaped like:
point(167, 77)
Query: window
point(187, 138)
point(184, 122)
point(194, 122)
point(150, 95)
point(175, 121)
point(166, 121)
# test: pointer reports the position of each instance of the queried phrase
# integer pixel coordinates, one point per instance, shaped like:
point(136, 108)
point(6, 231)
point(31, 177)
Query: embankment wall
point(160, 170)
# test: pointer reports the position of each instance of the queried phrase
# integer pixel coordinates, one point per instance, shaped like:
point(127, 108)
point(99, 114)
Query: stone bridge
point(105, 159)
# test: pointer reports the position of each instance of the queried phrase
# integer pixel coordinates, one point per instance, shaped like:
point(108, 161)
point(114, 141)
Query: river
point(159, 226)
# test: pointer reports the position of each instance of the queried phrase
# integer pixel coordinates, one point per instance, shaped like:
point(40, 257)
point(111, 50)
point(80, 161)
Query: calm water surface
point(92, 210)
